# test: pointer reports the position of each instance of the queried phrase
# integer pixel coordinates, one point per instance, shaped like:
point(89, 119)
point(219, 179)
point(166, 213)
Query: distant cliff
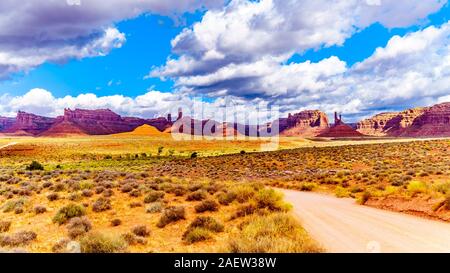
point(417, 122)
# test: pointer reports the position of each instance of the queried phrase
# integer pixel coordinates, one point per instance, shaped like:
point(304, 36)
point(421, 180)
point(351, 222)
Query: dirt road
point(341, 225)
point(8, 145)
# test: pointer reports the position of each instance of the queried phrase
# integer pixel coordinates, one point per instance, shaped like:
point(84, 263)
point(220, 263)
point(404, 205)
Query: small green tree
point(35, 166)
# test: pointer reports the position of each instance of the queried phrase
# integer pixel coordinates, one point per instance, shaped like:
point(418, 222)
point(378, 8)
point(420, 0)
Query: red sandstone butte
point(29, 124)
point(340, 129)
point(308, 123)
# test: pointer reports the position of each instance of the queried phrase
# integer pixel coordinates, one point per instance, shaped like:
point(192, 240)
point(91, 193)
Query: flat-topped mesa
point(30, 124)
point(99, 115)
point(416, 122)
point(304, 123)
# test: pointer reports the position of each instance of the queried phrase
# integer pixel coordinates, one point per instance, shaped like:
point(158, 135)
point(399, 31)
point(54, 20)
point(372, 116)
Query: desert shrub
point(154, 196)
point(14, 205)
point(307, 186)
point(243, 193)
point(207, 205)
point(135, 205)
point(196, 196)
point(270, 199)
point(52, 196)
point(274, 233)
point(194, 155)
point(101, 204)
point(17, 239)
point(179, 190)
point(75, 196)
point(35, 166)
point(47, 184)
point(60, 246)
point(196, 235)
point(78, 226)
point(341, 192)
point(226, 198)
point(87, 193)
point(141, 231)
point(155, 207)
point(39, 209)
point(447, 202)
point(4, 226)
point(126, 188)
point(85, 185)
point(68, 212)
point(364, 197)
point(108, 193)
point(171, 214)
point(415, 187)
point(132, 239)
point(116, 222)
point(135, 193)
point(101, 243)
point(196, 230)
point(59, 187)
point(99, 189)
point(244, 210)
point(443, 187)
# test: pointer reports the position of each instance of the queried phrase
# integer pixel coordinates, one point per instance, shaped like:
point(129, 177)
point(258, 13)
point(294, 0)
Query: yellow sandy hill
point(144, 130)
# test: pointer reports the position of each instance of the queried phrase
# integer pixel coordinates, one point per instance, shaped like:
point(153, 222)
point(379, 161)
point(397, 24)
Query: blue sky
point(122, 69)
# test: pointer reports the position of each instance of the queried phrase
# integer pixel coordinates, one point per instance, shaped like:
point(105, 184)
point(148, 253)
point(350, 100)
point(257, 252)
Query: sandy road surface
point(8, 145)
point(341, 225)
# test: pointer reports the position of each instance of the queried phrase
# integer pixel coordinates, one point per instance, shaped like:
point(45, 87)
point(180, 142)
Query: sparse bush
point(141, 231)
point(196, 196)
point(102, 204)
point(275, 233)
point(154, 196)
point(35, 166)
point(78, 226)
point(243, 193)
point(13, 205)
point(415, 187)
point(171, 214)
point(116, 222)
point(270, 199)
point(196, 235)
point(201, 228)
point(132, 239)
point(226, 198)
point(87, 193)
point(108, 193)
point(17, 239)
point(100, 243)
point(154, 208)
point(61, 246)
point(244, 210)
point(4, 226)
point(52, 196)
point(194, 155)
point(364, 197)
point(307, 186)
point(207, 205)
point(39, 209)
point(68, 212)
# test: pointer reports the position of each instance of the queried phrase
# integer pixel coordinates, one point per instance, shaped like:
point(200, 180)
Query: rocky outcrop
point(6, 123)
point(306, 123)
point(27, 123)
point(340, 129)
point(434, 122)
point(417, 122)
point(92, 122)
